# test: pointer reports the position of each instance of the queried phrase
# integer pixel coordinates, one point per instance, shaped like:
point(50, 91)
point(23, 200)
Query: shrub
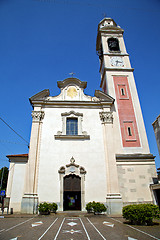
point(99, 207)
point(141, 214)
point(53, 207)
point(95, 207)
point(44, 208)
point(89, 207)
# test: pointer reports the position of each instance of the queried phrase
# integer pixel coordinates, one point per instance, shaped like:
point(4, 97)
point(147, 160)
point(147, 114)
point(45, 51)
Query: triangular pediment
point(103, 96)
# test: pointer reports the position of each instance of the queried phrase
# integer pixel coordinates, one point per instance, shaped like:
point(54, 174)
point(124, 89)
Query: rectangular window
point(72, 126)
point(129, 131)
point(122, 92)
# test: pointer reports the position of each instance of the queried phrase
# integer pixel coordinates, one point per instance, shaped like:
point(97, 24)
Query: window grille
point(72, 126)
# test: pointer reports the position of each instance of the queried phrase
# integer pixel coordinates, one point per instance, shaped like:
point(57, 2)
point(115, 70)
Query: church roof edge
point(65, 82)
point(103, 96)
point(41, 95)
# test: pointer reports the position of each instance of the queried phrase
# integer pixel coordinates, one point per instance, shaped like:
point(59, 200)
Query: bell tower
point(125, 140)
point(117, 80)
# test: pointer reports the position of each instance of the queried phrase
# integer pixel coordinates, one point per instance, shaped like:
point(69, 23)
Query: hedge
point(141, 214)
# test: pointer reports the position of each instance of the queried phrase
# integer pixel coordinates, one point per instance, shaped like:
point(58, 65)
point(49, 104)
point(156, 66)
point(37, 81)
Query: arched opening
point(113, 44)
point(72, 192)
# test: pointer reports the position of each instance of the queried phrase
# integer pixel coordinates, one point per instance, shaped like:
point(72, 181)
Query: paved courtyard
point(67, 227)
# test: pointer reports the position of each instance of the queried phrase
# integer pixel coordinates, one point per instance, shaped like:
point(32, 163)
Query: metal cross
point(72, 73)
point(104, 15)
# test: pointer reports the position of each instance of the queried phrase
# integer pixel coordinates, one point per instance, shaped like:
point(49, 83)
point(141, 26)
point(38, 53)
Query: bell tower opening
point(72, 192)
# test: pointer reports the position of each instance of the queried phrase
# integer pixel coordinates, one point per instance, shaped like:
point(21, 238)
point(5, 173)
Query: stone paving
point(73, 226)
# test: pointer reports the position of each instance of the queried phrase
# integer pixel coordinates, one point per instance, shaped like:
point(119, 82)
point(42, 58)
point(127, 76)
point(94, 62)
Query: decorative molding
point(106, 117)
point(71, 168)
point(81, 134)
point(82, 170)
point(72, 163)
point(37, 116)
point(134, 157)
point(61, 170)
point(119, 69)
point(66, 114)
point(72, 137)
point(75, 81)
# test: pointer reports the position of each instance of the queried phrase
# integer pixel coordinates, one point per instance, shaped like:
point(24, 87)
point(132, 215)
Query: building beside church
point(155, 188)
point(156, 127)
point(87, 148)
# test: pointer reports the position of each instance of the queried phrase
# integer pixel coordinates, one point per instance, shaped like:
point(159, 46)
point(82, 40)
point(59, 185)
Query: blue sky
point(42, 41)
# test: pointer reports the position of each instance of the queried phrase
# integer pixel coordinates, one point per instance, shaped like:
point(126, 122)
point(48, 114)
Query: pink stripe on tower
point(129, 130)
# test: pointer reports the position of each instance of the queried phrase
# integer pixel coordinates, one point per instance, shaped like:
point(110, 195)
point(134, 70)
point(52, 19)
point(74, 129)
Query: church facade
point(85, 148)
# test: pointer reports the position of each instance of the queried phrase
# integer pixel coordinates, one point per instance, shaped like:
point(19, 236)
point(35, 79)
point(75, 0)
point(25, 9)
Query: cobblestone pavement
point(84, 227)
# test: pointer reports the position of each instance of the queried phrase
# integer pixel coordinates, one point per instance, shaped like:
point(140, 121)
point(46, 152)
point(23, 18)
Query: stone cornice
point(122, 69)
point(134, 157)
point(18, 158)
point(67, 104)
point(116, 54)
point(72, 137)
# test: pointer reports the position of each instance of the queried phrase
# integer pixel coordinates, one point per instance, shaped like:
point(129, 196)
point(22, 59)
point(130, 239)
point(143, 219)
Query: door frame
point(74, 169)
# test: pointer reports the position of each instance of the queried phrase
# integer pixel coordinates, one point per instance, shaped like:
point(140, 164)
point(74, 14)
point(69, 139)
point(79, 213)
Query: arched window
point(113, 44)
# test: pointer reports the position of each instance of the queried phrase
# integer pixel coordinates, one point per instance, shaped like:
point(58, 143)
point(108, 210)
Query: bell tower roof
point(107, 25)
point(107, 22)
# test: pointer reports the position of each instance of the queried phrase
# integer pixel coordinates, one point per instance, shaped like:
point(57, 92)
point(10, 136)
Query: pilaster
point(113, 197)
point(30, 198)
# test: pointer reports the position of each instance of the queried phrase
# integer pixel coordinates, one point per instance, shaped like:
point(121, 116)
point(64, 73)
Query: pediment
point(103, 96)
point(72, 81)
point(72, 89)
point(40, 96)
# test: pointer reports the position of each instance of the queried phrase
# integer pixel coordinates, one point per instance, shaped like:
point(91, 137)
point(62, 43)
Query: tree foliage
point(4, 177)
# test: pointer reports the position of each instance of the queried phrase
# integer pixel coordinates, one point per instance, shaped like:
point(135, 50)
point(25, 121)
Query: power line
point(4, 160)
point(92, 4)
point(11, 142)
point(14, 130)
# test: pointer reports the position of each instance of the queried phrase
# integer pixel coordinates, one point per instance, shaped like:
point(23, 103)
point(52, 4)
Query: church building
point(87, 148)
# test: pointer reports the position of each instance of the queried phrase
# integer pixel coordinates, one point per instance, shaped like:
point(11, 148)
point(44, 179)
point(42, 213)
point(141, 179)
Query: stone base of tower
point(114, 203)
point(29, 204)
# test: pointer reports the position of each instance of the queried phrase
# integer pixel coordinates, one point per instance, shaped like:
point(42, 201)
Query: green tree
point(3, 178)
point(158, 173)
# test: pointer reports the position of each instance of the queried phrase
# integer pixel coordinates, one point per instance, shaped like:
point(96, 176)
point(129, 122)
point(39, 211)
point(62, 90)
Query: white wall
point(87, 153)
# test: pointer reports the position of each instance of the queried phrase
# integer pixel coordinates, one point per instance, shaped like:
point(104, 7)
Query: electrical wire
point(91, 4)
point(14, 130)
point(11, 142)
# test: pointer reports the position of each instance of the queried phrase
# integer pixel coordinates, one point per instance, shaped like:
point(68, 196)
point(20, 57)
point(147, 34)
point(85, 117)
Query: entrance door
point(72, 193)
